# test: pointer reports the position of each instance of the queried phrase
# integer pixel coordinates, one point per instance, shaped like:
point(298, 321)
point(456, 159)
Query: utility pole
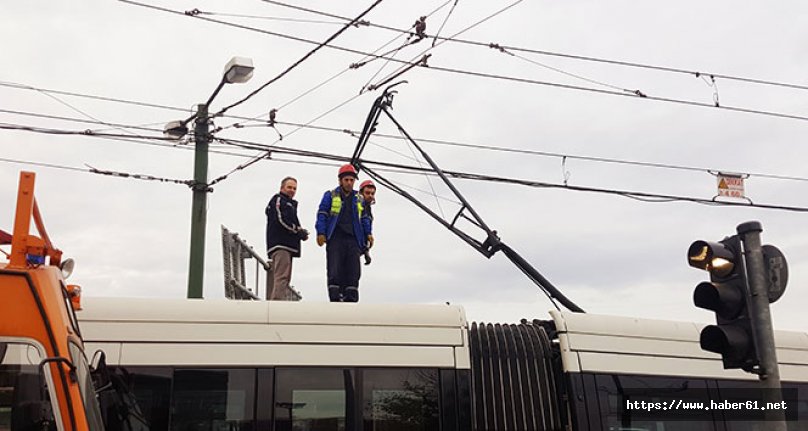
point(196, 266)
point(237, 70)
point(762, 328)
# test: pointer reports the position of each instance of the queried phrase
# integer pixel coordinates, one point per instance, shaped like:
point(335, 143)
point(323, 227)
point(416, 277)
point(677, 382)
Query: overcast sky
point(610, 254)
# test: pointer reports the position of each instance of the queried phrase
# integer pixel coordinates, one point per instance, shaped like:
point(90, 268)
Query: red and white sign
point(730, 186)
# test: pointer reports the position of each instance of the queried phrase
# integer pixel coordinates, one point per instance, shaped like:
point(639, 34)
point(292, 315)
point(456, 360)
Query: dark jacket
point(328, 216)
point(283, 227)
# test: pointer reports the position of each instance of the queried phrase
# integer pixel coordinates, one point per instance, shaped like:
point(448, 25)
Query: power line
point(301, 60)
point(268, 18)
point(494, 148)
point(565, 55)
point(335, 76)
point(90, 96)
point(92, 170)
point(649, 197)
point(644, 196)
point(355, 133)
point(79, 120)
point(502, 77)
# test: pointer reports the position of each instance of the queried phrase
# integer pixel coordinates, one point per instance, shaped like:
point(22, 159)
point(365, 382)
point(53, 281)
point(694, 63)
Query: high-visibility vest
point(336, 204)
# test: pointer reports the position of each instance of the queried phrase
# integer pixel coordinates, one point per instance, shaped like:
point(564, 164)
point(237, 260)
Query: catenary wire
point(355, 134)
point(299, 61)
point(333, 77)
point(496, 76)
point(566, 55)
point(652, 197)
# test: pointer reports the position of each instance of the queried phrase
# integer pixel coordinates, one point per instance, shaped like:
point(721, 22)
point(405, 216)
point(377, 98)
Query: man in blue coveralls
point(345, 228)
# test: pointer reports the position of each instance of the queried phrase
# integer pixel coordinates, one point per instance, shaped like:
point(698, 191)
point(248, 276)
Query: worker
point(368, 192)
point(284, 234)
point(345, 228)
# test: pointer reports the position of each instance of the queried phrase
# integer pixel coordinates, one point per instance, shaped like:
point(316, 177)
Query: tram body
point(275, 366)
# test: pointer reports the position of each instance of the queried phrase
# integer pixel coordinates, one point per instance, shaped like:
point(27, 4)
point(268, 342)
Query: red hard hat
point(348, 169)
point(366, 183)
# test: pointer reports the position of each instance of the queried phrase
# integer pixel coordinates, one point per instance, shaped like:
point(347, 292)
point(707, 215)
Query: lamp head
point(175, 130)
point(238, 70)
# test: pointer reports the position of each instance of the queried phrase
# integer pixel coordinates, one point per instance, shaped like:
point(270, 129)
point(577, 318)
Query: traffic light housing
point(726, 295)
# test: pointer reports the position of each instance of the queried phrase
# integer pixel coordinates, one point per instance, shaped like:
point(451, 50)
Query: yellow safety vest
point(336, 204)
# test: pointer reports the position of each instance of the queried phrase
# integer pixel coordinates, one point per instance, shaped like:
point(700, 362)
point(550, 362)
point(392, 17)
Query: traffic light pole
point(196, 266)
point(760, 315)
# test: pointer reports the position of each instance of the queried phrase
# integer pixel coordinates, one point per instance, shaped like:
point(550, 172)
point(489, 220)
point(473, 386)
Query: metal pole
point(760, 316)
point(196, 266)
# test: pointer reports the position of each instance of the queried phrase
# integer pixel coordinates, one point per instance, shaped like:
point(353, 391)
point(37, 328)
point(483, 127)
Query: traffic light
point(726, 295)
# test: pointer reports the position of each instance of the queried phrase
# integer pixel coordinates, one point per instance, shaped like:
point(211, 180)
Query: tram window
point(400, 399)
point(613, 391)
point(213, 400)
point(314, 399)
point(725, 388)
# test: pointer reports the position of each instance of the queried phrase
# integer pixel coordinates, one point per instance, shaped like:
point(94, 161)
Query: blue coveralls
point(346, 228)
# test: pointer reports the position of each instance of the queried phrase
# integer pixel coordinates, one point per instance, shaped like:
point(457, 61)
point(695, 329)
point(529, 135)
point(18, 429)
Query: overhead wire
point(529, 183)
point(92, 170)
point(494, 148)
point(268, 18)
point(333, 77)
point(692, 72)
point(657, 197)
point(299, 61)
point(386, 80)
point(504, 77)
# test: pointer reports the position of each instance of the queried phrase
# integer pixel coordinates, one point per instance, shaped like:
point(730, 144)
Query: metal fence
point(235, 252)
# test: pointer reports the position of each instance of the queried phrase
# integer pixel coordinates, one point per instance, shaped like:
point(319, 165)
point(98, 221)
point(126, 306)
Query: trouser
point(342, 256)
point(281, 273)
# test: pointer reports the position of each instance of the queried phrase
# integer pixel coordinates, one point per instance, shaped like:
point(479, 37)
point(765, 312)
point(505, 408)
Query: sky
point(608, 253)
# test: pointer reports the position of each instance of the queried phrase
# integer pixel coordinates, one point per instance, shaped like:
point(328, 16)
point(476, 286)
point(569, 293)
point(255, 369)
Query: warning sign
point(730, 186)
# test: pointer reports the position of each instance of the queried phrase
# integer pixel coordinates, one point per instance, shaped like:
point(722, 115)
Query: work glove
point(303, 234)
point(320, 240)
point(370, 241)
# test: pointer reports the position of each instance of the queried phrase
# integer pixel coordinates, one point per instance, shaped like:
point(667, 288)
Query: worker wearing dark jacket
point(343, 224)
point(284, 234)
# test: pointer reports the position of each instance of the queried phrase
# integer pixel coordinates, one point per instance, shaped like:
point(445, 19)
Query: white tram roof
point(624, 345)
point(187, 332)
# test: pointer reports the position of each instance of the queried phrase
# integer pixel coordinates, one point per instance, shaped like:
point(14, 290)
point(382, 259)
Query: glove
point(303, 234)
point(370, 241)
point(367, 258)
point(320, 240)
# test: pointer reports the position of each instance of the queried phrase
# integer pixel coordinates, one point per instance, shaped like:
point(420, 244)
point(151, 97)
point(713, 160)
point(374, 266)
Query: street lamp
point(238, 70)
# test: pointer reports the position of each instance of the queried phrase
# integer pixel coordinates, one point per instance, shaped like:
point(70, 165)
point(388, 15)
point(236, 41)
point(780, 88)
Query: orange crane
point(45, 380)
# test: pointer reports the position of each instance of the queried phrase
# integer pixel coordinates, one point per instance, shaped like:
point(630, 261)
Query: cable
point(93, 170)
point(338, 74)
point(269, 18)
point(503, 77)
point(299, 61)
point(569, 56)
point(507, 180)
point(355, 134)
point(449, 143)
point(115, 126)
point(90, 96)
point(455, 174)
point(261, 156)
point(88, 132)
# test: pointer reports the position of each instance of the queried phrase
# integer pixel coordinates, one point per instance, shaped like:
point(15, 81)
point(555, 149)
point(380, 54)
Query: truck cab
point(45, 380)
